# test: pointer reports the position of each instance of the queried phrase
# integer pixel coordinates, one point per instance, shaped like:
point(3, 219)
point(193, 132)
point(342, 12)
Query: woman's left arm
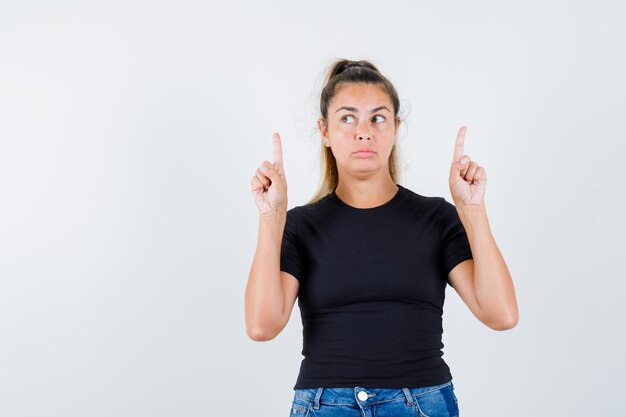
point(491, 282)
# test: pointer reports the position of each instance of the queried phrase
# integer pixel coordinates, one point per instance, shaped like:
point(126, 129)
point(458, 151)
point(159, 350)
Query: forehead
point(360, 94)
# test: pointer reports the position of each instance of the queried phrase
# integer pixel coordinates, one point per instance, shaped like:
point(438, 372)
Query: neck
point(366, 193)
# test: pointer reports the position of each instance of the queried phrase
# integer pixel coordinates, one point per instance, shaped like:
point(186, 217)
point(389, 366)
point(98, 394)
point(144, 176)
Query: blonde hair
point(345, 71)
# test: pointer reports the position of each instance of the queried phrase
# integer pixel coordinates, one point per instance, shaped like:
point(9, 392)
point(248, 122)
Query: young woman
point(369, 260)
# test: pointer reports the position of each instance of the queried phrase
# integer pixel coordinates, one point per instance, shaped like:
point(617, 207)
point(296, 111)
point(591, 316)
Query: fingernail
point(463, 161)
point(263, 169)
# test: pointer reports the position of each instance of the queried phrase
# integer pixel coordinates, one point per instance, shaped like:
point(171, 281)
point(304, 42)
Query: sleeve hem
point(450, 264)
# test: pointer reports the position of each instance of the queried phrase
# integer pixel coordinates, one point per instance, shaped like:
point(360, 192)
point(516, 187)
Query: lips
point(365, 153)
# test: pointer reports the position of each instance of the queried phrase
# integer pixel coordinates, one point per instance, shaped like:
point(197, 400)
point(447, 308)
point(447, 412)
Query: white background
point(129, 132)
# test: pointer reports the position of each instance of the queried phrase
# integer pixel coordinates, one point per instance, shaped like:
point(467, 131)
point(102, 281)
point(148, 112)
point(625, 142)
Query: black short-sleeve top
point(372, 288)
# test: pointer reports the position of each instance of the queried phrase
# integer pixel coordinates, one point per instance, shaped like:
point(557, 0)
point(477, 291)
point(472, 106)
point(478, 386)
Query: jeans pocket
point(437, 403)
point(300, 408)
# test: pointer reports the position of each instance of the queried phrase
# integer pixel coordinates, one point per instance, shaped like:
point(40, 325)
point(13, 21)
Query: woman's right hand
point(269, 188)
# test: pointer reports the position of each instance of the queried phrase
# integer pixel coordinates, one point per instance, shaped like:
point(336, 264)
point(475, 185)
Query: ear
point(397, 120)
point(321, 124)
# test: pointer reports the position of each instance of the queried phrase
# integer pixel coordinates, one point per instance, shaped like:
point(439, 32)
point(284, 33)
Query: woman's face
point(360, 118)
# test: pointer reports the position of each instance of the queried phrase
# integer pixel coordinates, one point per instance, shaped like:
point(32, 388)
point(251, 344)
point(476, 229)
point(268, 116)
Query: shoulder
point(301, 214)
point(321, 206)
point(435, 209)
point(432, 202)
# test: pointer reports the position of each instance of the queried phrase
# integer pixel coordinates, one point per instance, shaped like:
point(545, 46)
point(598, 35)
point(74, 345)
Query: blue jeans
point(434, 401)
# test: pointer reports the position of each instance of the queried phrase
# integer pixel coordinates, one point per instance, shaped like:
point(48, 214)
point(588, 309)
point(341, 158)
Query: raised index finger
point(458, 146)
point(278, 150)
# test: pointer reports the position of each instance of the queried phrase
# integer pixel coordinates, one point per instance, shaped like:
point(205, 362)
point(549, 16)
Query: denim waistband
point(354, 396)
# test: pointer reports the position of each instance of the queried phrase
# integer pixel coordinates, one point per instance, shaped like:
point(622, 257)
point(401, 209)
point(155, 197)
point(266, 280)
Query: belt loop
point(409, 396)
point(318, 395)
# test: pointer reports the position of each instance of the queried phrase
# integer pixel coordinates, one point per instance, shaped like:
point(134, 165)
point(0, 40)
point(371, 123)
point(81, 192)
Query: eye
point(343, 118)
point(378, 115)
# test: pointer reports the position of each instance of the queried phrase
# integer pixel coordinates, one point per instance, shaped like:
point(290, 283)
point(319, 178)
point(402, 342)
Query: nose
point(363, 133)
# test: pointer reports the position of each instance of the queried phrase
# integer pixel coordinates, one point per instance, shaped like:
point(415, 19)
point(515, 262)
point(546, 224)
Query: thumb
point(272, 172)
point(457, 167)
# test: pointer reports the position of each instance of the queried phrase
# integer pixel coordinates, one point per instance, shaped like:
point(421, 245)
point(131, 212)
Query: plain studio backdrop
point(129, 132)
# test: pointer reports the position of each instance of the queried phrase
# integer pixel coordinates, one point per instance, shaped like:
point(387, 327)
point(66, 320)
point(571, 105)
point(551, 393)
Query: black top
point(372, 288)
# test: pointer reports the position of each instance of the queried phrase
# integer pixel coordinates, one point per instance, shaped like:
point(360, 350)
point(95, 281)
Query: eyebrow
point(356, 110)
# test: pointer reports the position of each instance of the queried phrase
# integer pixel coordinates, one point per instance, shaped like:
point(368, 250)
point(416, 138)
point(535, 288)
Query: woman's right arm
point(265, 291)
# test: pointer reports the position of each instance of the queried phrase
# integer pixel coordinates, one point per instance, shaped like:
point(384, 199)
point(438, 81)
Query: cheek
point(344, 128)
point(384, 127)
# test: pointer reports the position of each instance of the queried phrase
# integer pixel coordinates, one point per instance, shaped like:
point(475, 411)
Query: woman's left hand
point(468, 180)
